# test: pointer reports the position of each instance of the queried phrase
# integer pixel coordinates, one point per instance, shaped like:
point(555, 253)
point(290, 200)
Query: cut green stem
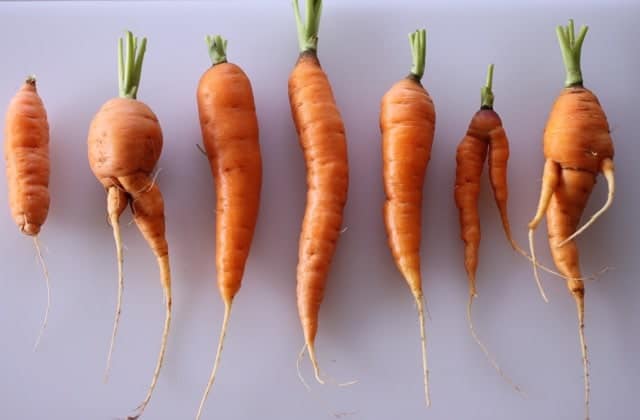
point(486, 94)
point(571, 49)
point(308, 30)
point(418, 41)
point(130, 65)
point(217, 49)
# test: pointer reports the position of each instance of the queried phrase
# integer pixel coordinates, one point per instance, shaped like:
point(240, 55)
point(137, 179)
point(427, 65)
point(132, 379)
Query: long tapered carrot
point(26, 151)
point(322, 137)
point(407, 124)
point(485, 134)
point(230, 135)
point(577, 147)
point(124, 145)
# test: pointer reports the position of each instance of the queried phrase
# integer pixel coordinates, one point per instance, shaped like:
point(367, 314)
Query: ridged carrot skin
point(26, 151)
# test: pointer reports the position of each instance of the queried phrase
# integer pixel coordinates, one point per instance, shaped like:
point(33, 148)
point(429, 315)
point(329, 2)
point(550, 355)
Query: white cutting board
point(368, 327)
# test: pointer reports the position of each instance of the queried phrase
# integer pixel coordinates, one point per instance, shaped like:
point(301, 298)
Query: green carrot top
point(308, 30)
point(130, 65)
point(418, 42)
point(486, 94)
point(571, 48)
point(217, 49)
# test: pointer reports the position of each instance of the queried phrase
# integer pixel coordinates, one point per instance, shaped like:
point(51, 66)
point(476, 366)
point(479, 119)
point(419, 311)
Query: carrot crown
point(217, 49)
point(308, 30)
point(486, 94)
point(571, 48)
point(418, 41)
point(130, 65)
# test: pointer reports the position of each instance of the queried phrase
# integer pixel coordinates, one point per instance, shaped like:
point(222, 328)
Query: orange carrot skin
point(576, 111)
point(407, 123)
point(230, 134)
point(26, 151)
point(322, 138)
point(498, 159)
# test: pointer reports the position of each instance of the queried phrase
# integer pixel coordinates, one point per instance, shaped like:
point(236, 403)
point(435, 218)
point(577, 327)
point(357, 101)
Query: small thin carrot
point(407, 124)
point(26, 151)
point(322, 137)
point(485, 133)
point(230, 135)
point(577, 147)
point(124, 145)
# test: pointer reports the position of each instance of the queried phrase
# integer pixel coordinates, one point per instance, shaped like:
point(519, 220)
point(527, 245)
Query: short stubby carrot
point(407, 124)
point(322, 137)
point(124, 145)
point(485, 135)
point(577, 147)
point(230, 135)
point(26, 151)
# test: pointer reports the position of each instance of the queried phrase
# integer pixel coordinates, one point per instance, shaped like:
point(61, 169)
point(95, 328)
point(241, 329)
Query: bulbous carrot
point(124, 145)
point(230, 135)
point(26, 151)
point(407, 124)
point(322, 137)
point(577, 147)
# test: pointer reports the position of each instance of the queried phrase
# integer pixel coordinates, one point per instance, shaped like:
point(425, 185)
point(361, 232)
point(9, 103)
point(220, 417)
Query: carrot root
point(585, 357)
point(535, 266)
point(423, 344)
point(165, 277)
point(608, 172)
point(314, 363)
point(223, 333)
point(485, 350)
point(115, 224)
point(298, 369)
point(48, 285)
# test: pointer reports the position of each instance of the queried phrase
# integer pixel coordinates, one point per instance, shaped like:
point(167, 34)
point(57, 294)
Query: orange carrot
point(124, 142)
point(26, 151)
point(407, 123)
point(577, 147)
point(230, 135)
point(322, 138)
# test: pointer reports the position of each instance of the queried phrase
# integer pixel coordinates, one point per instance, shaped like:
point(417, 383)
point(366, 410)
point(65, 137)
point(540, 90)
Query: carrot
point(485, 133)
point(26, 150)
point(230, 135)
point(577, 147)
point(322, 137)
point(407, 123)
point(124, 142)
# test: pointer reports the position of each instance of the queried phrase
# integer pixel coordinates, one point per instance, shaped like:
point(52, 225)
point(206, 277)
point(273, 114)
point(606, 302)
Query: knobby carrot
point(407, 123)
point(125, 142)
point(230, 134)
point(26, 151)
point(322, 137)
point(577, 147)
point(485, 134)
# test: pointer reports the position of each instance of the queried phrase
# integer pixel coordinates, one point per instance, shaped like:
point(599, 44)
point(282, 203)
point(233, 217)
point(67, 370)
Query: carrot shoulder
point(322, 138)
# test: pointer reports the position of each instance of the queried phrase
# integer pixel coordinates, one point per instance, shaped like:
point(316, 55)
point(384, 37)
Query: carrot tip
point(46, 279)
point(31, 80)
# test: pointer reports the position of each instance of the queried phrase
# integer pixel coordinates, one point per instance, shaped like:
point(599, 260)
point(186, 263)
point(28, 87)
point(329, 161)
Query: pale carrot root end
point(115, 224)
point(165, 278)
point(535, 266)
point(299, 371)
point(214, 371)
point(45, 272)
point(423, 343)
point(579, 298)
point(314, 362)
point(485, 350)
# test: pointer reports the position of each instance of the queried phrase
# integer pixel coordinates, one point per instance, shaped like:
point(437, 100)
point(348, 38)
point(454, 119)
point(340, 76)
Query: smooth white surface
point(368, 327)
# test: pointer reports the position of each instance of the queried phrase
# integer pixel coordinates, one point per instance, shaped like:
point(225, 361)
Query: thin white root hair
point(298, 369)
point(485, 350)
point(535, 267)
point(214, 371)
point(115, 225)
point(585, 355)
point(48, 285)
point(608, 172)
point(423, 344)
